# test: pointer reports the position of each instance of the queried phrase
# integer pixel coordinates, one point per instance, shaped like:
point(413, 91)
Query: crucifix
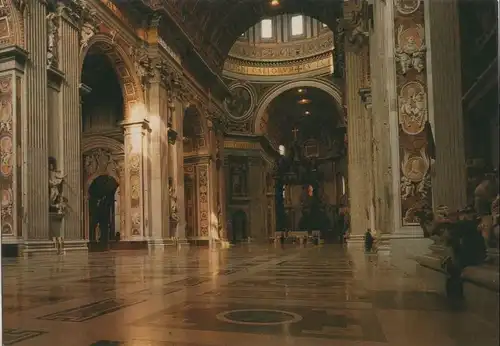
point(295, 130)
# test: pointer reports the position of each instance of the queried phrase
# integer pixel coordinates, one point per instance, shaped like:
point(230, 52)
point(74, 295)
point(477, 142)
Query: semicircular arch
point(330, 88)
point(123, 66)
point(96, 142)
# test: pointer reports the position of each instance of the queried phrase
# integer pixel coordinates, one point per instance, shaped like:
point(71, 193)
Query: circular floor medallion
point(259, 317)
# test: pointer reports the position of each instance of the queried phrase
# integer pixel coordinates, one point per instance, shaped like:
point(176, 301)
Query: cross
point(295, 130)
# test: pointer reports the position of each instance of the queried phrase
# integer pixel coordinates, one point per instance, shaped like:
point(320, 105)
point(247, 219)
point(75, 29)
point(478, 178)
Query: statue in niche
point(174, 215)
point(52, 39)
point(57, 202)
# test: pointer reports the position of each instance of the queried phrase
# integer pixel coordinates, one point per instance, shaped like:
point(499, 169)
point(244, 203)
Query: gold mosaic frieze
point(321, 63)
point(283, 51)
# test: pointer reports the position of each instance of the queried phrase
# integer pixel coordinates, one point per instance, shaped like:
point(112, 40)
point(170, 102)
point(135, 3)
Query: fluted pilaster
point(159, 162)
point(70, 125)
point(358, 189)
point(137, 189)
point(382, 172)
point(178, 170)
point(35, 170)
point(445, 106)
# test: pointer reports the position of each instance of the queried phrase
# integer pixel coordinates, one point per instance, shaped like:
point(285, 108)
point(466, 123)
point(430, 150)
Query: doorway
point(239, 221)
point(103, 209)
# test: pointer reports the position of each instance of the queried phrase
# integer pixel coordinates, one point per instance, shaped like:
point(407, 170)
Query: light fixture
point(300, 91)
point(275, 2)
point(304, 101)
point(307, 113)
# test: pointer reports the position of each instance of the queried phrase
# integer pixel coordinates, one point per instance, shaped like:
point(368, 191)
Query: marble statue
point(174, 215)
point(57, 202)
point(51, 39)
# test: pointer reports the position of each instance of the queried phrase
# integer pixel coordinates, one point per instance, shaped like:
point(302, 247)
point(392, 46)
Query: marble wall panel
point(412, 104)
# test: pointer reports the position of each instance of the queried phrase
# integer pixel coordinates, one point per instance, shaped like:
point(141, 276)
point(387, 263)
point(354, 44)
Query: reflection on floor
point(241, 296)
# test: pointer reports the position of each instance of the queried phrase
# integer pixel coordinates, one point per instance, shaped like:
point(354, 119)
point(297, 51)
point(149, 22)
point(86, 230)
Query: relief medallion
point(241, 102)
point(407, 7)
point(412, 107)
point(415, 168)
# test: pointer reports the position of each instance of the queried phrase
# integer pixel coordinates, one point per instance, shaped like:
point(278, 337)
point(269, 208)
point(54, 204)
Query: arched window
point(266, 28)
point(297, 25)
point(282, 150)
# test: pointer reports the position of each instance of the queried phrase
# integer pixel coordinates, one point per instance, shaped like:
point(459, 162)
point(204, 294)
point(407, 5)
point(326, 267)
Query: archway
point(103, 110)
point(195, 146)
point(305, 126)
point(102, 206)
point(262, 116)
point(239, 223)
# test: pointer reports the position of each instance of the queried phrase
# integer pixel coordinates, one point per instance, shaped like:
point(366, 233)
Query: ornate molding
point(318, 64)
point(283, 51)
point(366, 97)
point(143, 65)
point(358, 27)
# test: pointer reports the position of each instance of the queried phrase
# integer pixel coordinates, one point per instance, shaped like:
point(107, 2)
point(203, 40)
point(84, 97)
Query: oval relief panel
point(412, 107)
point(407, 7)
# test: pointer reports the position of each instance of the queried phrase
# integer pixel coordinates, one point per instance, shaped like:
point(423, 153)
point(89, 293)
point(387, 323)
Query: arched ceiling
point(302, 114)
point(221, 22)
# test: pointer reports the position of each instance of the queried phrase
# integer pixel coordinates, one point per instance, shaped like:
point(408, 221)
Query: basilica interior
point(219, 172)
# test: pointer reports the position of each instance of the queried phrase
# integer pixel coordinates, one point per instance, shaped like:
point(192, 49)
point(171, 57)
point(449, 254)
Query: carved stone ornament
point(171, 77)
point(415, 179)
point(358, 28)
point(174, 215)
point(21, 5)
point(57, 202)
point(413, 108)
point(52, 39)
point(143, 66)
point(407, 7)
point(411, 49)
point(101, 161)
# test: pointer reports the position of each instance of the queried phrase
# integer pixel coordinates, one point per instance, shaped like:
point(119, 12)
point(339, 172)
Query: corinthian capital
point(172, 78)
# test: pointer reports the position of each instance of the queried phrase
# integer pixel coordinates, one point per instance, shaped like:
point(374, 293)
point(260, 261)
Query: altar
point(306, 192)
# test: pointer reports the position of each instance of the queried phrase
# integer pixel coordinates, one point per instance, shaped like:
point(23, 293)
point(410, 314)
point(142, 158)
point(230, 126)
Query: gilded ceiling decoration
point(214, 25)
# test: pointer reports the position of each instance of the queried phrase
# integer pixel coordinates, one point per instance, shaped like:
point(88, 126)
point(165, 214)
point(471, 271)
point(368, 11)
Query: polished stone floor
point(244, 296)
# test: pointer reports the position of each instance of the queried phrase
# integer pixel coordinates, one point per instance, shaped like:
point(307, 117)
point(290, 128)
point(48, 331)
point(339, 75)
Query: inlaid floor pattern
point(244, 296)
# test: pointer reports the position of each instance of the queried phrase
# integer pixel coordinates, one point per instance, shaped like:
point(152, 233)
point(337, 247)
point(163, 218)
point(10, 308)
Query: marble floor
point(245, 296)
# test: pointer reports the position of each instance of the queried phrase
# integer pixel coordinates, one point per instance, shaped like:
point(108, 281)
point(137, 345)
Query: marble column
point(70, 124)
point(159, 163)
point(449, 182)
point(35, 141)
point(136, 136)
point(366, 98)
point(213, 185)
point(177, 152)
point(380, 84)
point(221, 190)
point(358, 189)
